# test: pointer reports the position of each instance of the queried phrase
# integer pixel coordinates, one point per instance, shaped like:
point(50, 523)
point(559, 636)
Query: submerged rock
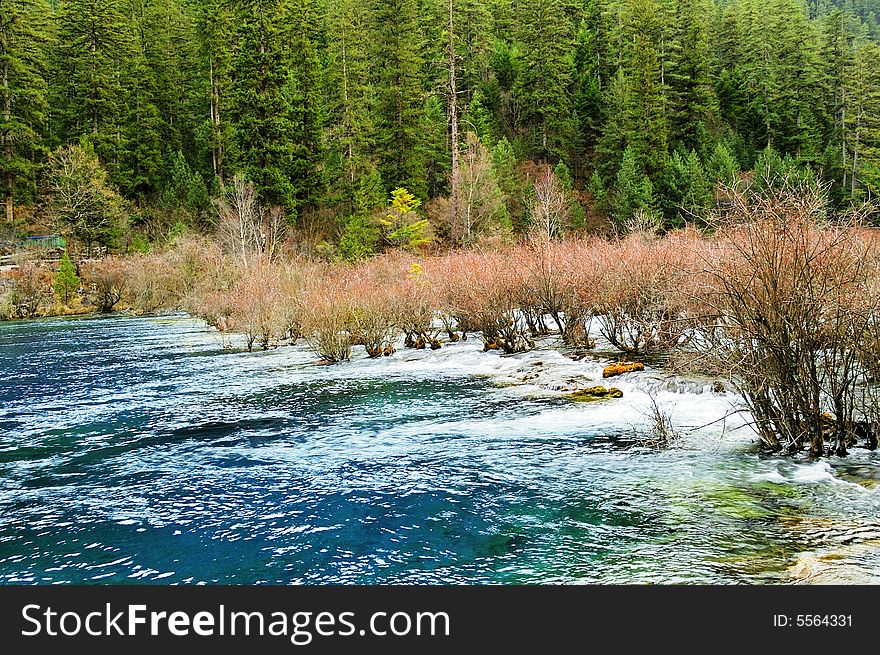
point(596, 393)
point(619, 368)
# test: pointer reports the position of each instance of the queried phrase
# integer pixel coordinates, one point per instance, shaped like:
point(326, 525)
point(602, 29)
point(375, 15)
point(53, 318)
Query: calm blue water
point(138, 450)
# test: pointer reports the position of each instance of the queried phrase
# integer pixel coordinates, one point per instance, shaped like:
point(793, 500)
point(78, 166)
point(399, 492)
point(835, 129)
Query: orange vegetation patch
point(619, 368)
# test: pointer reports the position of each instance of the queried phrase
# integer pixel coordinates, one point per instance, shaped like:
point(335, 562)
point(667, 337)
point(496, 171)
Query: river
point(138, 450)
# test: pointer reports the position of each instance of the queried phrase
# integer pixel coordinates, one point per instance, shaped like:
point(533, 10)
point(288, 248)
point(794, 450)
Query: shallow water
point(138, 450)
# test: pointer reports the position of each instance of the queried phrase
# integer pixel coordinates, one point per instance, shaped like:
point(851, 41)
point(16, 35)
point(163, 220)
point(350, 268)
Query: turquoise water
point(139, 450)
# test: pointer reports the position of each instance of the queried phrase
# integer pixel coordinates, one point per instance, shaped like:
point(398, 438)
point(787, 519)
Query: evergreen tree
point(351, 99)
point(546, 38)
point(24, 39)
point(438, 165)
point(837, 57)
point(692, 101)
point(633, 190)
point(797, 97)
point(592, 71)
point(213, 24)
point(66, 280)
point(305, 99)
point(862, 122)
point(645, 128)
point(94, 48)
point(722, 167)
point(141, 151)
point(685, 194)
point(401, 98)
point(261, 109)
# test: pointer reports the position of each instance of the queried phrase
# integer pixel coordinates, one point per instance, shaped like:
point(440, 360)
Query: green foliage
point(66, 280)
point(85, 206)
point(360, 239)
point(328, 105)
point(634, 191)
point(775, 172)
point(261, 106)
point(185, 189)
point(25, 36)
point(402, 227)
point(504, 168)
point(546, 38)
point(139, 244)
point(400, 96)
point(686, 191)
point(576, 213)
point(95, 44)
point(722, 167)
point(598, 192)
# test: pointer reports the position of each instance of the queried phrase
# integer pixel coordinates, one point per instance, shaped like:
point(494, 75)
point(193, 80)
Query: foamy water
point(138, 449)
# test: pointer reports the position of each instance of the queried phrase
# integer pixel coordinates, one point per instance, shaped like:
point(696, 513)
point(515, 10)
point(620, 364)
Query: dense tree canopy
point(327, 106)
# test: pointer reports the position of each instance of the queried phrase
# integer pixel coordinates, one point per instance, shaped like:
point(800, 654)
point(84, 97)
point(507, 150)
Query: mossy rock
point(595, 393)
point(619, 368)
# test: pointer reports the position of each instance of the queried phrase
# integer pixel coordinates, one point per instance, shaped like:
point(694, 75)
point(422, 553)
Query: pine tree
point(685, 195)
point(305, 98)
point(633, 190)
point(797, 95)
point(401, 98)
point(592, 75)
point(351, 98)
point(66, 280)
point(862, 122)
point(645, 126)
point(261, 106)
point(171, 82)
point(722, 167)
point(504, 169)
point(437, 155)
point(728, 45)
point(756, 67)
point(213, 24)
point(546, 38)
point(94, 48)
point(693, 105)
point(141, 151)
point(837, 56)
point(24, 38)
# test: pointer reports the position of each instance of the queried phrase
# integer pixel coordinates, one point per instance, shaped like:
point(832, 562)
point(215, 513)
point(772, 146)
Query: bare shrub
point(636, 301)
point(30, 290)
point(150, 284)
point(374, 306)
point(202, 278)
point(560, 280)
point(259, 306)
point(106, 281)
point(661, 429)
point(483, 292)
point(326, 316)
point(790, 303)
point(415, 295)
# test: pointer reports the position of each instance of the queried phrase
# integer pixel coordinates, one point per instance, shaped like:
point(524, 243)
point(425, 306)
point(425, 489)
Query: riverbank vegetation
point(681, 177)
point(774, 297)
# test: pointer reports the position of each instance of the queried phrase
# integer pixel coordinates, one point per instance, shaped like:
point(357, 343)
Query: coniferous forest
point(643, 108)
